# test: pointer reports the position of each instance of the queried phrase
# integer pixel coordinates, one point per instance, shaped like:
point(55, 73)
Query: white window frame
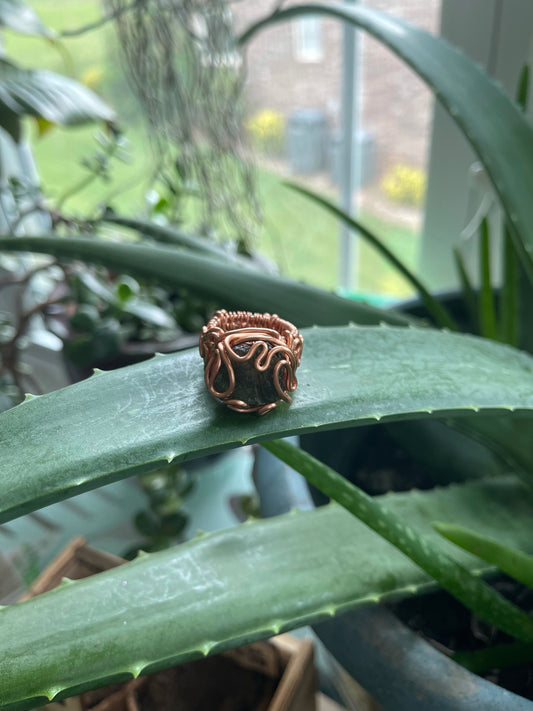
point(498, 35)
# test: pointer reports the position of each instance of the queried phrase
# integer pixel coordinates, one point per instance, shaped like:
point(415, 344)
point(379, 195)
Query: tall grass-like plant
point(223, 589)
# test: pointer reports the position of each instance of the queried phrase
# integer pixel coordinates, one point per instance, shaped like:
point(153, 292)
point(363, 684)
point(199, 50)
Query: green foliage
point(50, 98)
point(476, 595)
point(225, 285)
point(163, 522)
point(160, 410)
point(115, 316)
point(239, 585)
point(20, 17)
point(434, 308)
point(487, 324)
point(246, 583)
point(515, 563)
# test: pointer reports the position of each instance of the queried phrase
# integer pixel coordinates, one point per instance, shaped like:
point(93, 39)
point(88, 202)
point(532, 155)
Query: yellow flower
point(405, 185)
point(266, 129)
point(92, 77)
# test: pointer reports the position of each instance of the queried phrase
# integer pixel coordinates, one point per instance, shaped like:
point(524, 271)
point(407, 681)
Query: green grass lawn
point(301, 237)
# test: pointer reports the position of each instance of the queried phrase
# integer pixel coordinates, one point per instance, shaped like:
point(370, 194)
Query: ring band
point(250, 359)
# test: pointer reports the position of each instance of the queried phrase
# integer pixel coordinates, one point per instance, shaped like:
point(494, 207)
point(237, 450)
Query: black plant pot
point(398, 668)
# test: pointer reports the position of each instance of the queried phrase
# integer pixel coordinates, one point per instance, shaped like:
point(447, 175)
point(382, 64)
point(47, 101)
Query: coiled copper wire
point(250, 343)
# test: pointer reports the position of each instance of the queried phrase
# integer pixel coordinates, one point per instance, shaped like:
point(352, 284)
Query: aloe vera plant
point(224, 589)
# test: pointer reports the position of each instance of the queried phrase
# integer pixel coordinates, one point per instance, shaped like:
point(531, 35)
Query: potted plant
point(258, 579)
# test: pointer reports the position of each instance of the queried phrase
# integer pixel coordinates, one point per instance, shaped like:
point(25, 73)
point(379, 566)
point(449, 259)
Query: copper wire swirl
point(272, 346)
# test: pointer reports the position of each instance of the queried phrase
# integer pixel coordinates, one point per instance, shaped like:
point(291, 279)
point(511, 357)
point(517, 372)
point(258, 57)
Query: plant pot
point(400, 670)
point(274, 675)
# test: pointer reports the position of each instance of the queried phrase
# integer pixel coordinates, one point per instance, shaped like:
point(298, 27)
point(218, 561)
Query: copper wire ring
point(250, 359)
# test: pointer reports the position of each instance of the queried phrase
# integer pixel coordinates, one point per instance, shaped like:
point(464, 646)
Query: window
point(308, 44)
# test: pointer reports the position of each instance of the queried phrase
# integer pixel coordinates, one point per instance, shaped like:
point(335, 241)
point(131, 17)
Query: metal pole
point(350, 169)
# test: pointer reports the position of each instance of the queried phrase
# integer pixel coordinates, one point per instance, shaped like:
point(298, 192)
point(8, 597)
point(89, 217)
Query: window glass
point(307, 34)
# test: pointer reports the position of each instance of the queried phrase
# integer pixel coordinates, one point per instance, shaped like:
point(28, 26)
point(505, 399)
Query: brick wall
point(396, 106)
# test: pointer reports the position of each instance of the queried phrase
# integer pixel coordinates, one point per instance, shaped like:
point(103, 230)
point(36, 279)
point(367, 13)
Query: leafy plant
point(48, 97)
point(163, 522)
point(246, 583)
point(497, 313)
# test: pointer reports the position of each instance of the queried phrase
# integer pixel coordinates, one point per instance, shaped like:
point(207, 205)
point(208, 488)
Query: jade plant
point(360, 366)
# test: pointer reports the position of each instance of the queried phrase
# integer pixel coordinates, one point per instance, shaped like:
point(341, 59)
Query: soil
point(216, 684)
point(450, 627)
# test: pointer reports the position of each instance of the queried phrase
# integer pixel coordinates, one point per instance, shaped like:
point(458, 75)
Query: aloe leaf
point(487, 312)
point(435, 309)
point(119, 423)
point(509, 303)
point(493, 124)
point(454, 577)
point(175, 236)
point(511, 441)
point(516, 564)
point(227, 285)
point(469, 295)
point(525, 309)
point(20, 17)
point(444, 453)
point(235, 586)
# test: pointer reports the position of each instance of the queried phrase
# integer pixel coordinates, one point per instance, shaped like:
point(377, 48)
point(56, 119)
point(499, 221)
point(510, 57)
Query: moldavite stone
point(252, 386)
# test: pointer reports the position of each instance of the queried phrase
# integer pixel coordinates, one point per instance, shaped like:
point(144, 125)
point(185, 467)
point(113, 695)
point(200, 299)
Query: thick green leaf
point(175, 236)
point(20, 17)
point(129, 420)
point(43, 94)
point(493, 124)
point(235, 586)
point(444, 453)
point(227, 285)
point(525, 309)
point(435, 309)
point(487, 313)
point(509, 302)
point(469, 295)
point(512, 441)
point(479, 597)
point(515, 563)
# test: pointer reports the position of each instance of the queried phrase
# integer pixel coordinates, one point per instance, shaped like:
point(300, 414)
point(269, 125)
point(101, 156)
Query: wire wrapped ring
point(250, 359)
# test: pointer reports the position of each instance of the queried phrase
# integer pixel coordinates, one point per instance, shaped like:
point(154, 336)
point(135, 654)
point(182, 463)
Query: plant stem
point(479, 597)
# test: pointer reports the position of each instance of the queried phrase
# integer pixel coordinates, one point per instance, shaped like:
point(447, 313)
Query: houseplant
point(224, 589)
